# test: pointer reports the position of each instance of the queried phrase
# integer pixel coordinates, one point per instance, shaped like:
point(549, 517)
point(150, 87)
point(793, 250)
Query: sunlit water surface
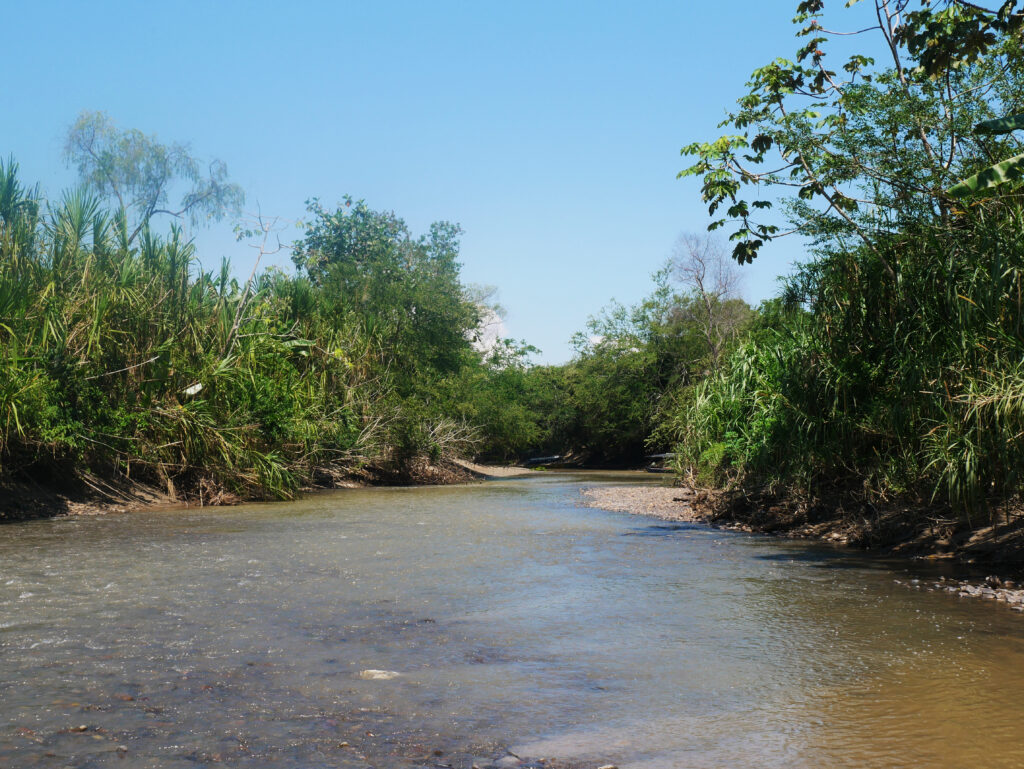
point(516, 618)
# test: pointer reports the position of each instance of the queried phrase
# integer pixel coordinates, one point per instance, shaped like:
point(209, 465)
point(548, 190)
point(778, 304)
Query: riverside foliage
point(891, 367)
point(123, 358)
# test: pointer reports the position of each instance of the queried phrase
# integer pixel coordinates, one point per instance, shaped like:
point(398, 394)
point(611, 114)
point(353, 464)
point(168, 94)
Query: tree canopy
point(141, 174)
point(864, 148)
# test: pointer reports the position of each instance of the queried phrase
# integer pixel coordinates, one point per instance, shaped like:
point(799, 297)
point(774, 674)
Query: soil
point(493, 471)
point(75, 494)
point(912, 528)
point(900, 528)
point(25, 500)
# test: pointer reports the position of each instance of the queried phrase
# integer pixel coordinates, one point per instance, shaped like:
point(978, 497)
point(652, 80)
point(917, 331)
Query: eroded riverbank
point(977, 553)
point(94, 495)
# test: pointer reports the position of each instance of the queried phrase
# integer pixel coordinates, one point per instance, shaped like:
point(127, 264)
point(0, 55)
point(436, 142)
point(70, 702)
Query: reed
point(127, 357)
point(911, 386)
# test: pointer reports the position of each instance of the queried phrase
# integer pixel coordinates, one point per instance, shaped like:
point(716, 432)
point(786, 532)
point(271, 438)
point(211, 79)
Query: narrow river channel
point(516, 620)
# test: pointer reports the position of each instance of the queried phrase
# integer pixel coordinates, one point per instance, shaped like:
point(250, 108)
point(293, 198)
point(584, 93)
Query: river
point(516, 620)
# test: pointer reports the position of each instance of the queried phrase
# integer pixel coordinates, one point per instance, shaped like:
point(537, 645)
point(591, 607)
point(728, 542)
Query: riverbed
point(454, 625)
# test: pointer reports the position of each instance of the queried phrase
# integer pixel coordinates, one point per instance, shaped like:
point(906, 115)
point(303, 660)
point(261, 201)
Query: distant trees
point(702, 267)
point(140, 174)
point(633, 363)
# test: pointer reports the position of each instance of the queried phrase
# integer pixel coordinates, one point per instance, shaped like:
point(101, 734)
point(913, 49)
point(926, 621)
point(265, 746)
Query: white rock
point(378, 675)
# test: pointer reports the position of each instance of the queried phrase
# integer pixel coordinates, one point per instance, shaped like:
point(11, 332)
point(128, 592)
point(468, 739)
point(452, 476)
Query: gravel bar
point(670, 504)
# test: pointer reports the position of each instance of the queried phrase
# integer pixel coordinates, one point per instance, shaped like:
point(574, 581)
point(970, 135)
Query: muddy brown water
point(516, 619)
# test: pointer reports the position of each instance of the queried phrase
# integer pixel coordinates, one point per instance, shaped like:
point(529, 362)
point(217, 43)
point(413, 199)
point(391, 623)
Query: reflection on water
point(513, 617)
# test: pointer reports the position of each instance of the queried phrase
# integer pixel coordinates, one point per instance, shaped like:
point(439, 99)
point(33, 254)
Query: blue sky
point(549, 131)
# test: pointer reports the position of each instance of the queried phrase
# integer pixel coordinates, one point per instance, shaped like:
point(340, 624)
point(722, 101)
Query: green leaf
point(1011, 169)
point(1001, 126)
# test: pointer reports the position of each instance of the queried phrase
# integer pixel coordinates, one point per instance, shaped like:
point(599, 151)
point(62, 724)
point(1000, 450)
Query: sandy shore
point(670, 504)
point(494, 471)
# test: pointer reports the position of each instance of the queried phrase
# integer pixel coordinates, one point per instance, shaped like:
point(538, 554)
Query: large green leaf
point(1002, 125)
point(1011, 169)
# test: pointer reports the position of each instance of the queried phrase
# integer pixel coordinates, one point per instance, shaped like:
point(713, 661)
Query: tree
point(702, 266)
point(626, 361)
point(140, 174)
point(402, 291)
point(872, 150)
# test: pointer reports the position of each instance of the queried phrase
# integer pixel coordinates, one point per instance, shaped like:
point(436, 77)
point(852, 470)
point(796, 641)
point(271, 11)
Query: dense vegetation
point(122, 358)
point(890, 369)
point(608, 405)
point(126, 360)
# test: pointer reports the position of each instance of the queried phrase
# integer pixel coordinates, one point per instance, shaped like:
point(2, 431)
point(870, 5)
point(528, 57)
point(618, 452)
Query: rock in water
point(378, 675)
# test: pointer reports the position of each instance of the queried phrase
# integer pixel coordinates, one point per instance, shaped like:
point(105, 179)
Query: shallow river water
point(517, 621)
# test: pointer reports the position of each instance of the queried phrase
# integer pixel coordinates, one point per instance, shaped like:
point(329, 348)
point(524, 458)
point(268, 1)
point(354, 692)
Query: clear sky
point(549, 130)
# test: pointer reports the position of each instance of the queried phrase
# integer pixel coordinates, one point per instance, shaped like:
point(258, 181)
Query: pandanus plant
point(1011, 169)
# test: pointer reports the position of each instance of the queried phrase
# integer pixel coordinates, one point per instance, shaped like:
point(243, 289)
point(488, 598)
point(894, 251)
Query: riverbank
point(998, 546)
point(908, 528)
point(488, 472)
point(95, 495)
point(667, 503)
point(896, 529)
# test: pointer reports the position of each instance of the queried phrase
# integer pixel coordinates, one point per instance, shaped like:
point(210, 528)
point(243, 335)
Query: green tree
point(627, 362)
point(140, 173)
point(401, 290)
point(866, 149)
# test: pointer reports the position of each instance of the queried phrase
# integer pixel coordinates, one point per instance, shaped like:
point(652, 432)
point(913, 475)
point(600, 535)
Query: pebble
point(992, 588)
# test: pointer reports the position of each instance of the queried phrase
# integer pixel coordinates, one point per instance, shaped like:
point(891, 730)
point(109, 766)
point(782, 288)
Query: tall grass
point(912, 387)
point(130, 358)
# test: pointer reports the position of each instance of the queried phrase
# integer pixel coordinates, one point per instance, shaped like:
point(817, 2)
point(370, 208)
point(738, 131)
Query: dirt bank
point(94, 495)
point(912, 528)
point(902, 529)
point(977, 551)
